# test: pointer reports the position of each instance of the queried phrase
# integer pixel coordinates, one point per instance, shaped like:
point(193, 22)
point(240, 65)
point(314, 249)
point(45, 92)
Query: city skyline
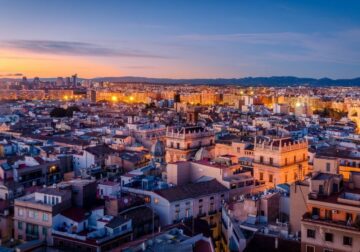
point(180, 39)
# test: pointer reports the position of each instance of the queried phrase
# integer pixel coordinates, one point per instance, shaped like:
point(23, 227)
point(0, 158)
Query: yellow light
point(131, 98)
point(114, 98)
point(298, 104)
point(241, 92)
point(66, 97)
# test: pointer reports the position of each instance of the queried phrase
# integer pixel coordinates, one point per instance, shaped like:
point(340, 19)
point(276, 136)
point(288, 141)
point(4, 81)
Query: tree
point(58, 112)
point(70, 111)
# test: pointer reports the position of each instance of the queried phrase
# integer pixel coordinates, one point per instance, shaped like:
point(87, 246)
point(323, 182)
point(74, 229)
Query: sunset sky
point(179, 39)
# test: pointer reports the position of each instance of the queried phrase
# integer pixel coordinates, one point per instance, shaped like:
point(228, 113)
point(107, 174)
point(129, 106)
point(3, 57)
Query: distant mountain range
point(247, 81)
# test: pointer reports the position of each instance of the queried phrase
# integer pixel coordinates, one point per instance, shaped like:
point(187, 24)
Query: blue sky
point(180, 39)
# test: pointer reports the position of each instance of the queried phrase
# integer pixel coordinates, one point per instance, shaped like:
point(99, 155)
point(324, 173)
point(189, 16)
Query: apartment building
point(182, 143)
point(33, 213)
point(332, 220)
point(280, 160)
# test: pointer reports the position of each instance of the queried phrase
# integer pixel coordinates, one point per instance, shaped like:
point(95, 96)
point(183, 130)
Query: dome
point(201, 154)
point(157, 149)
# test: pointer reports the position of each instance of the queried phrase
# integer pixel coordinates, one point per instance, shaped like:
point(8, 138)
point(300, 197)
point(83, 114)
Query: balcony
point(317, 196)
point(212, 212)
point(200, 215)
point(315, 219)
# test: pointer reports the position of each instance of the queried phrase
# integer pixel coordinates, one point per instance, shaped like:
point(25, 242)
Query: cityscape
point(207, 126)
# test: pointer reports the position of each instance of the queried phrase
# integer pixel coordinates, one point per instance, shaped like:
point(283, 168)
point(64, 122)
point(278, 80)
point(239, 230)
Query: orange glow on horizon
point(44, 66)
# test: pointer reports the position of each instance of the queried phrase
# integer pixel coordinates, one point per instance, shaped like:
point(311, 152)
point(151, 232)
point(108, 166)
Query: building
point(194, 200)
point(78, 229)
point(34, 213)
point(177, 238)
point(331, 222)
point(182, 143)
point(238, 181)
point(280, 160)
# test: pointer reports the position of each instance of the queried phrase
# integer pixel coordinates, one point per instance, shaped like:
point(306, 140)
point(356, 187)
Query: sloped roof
point(193, 190)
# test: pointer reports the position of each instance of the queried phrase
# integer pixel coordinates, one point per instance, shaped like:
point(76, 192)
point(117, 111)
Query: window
point(328, 214)
point(45, 217)
point(20, 225)
point(303, 156)
point(44, 231)
point(123, 227)
point(271, 161)
point(177, 145)
point(20, 212)
point(187, 210)
point(188, 146)
point(211, 207)
point(348, 217)
point(31, 214)
point(200, 210)
point(311, 233)
point(270, 178)
point(315, 211)
point(261, 176)
point(310, 248)
point(294, 159)
point(347, 240)
point(329, 237)
point(327, 167)
point(238, 149)
point(286, 162)
point(261, 159)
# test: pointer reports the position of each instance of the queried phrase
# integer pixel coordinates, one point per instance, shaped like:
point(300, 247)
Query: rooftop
point(193, 190)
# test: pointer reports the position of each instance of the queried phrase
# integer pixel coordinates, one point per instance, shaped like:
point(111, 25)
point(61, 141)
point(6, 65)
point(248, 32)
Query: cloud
point(342, 47)
point(11, 75)
point(139, 67)
point(75, 49)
